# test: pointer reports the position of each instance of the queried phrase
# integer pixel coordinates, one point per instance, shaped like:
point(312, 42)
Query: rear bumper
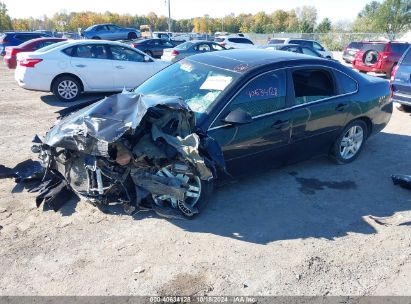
point(379, 67)
point(402, 98)
point(29, 79)
point(10, 62)
point(348, 58)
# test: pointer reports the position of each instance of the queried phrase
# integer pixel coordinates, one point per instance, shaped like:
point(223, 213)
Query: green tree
point(324, 26)
point(5, 21)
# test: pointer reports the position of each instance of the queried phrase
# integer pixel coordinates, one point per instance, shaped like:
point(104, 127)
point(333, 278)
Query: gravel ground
point(314, 228)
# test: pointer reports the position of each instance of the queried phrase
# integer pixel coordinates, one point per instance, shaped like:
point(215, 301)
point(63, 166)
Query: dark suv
point(401, 81)
point(379, 56)
point(17, 38)
point(351, 50)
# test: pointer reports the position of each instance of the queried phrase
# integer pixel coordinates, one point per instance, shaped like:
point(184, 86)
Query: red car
point(379, 56)
point(28, 46)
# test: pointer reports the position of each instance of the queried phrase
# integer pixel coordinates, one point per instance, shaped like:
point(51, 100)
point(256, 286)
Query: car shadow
point(53, 101)
point(314, 199)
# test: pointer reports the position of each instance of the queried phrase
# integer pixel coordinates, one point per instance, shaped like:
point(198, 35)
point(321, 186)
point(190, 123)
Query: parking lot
point(314, 228)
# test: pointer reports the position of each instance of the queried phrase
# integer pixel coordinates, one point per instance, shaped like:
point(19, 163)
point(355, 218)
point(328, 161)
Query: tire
point(193, 204)
point(354, 134)
point(96, 38)
point(404, 108)
point(132, 36)
point(362, 72)
point(370, 57)
point(67, 88)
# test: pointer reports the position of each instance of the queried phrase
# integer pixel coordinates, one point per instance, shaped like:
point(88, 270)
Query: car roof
point(24, 33)
point(244, 60)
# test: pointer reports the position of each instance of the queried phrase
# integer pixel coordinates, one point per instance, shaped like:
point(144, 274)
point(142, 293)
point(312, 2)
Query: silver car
point(190, 48)
point(110, 32)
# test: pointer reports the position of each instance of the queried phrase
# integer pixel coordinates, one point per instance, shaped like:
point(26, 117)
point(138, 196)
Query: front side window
point(407, 57)
point(293, 49)
point(197, 84)
point(309, 52)
point(95, 51)
point(312, 84)
point(125, 54)
point(262, 95)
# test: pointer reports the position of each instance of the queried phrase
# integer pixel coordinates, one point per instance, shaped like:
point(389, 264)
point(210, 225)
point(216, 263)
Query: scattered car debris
point(402, 180)
point(142, 152)
point(25, 171)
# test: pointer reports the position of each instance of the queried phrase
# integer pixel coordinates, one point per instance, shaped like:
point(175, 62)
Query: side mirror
point(147, 59)
point(238, 116)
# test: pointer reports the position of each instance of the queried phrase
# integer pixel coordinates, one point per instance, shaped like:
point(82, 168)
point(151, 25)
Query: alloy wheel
point(67, 89)
point(351, 142)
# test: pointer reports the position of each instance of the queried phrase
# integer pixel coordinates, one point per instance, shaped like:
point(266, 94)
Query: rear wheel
point(350, 143)
point(66, 88)
point(404, 108)
point(132, 36)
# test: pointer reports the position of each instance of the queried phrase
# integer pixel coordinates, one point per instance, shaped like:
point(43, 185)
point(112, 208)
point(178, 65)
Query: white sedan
point(71, 67)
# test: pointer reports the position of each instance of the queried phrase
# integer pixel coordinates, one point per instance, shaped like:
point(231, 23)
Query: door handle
point(341, 107)
point(80, 65)
point(281, 124)
point(120, 67)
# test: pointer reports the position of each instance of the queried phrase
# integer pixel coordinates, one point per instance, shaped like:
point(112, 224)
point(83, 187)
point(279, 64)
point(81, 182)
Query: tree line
point(390, 16)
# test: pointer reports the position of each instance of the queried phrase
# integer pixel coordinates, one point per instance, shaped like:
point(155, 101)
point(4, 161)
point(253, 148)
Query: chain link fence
point(333, 41)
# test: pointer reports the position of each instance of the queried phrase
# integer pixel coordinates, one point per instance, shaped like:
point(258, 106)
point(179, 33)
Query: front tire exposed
point(66, 88)
point(349, 144)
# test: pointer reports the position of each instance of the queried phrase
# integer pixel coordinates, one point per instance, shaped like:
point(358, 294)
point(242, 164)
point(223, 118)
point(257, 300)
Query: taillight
point(174, 52)
point(4, 40)
point(394, 71)
point(223, 43)
point(30, 62)
point(135, 44)
point(11, 51)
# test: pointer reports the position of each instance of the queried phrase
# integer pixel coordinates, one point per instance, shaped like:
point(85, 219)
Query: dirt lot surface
point(309, 229)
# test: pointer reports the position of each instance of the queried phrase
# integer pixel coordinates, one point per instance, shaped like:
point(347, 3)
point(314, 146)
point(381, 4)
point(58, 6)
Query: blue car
point(17, 38)
point(401, 81)
point(110, 32)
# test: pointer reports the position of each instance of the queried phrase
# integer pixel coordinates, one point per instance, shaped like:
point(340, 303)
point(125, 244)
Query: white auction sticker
point(218, 83)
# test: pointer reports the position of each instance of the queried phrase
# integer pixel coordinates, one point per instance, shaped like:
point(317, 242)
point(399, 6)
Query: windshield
point(90, 28)
point(197, 84)
point(218, 39)
point(51, 46)
point(184, 46)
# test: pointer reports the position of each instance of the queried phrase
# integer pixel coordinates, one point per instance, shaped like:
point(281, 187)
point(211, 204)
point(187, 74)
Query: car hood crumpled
point(107, 120)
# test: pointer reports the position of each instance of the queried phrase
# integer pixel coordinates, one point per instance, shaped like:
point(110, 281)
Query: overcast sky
point(334, 9)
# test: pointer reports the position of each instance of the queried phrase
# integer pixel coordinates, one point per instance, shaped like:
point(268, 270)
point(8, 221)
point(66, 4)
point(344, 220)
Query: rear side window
point(26, 37)
point(407, 57)
point(309, 52)
point(125, 54)
point(399, 48)
point(69, 51)
point(347, 84)
point(312, 84)
point(262, 95)
point(94, 51)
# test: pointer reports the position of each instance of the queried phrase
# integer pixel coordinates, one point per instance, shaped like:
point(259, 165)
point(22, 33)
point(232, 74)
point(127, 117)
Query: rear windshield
point(184, 46)
point(355, 45)
point(240, 40)
point(379, 47)
point(51, 46)
point(276, 41)
point(407, 57)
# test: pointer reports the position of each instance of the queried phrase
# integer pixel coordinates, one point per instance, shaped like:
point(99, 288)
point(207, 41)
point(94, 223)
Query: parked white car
point(304, 42)
point(235, 42)
point(70, 68)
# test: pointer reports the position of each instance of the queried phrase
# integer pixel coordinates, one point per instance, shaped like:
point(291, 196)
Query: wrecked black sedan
point(212, 115)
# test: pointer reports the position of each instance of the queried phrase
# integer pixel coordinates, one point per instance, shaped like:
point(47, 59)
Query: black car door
point(323, 107)
point(263, 140)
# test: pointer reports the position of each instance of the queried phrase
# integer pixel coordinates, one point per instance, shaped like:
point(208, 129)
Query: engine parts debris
point(138, 151)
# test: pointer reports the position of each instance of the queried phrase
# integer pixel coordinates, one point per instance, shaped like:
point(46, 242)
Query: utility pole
point(169, 17)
